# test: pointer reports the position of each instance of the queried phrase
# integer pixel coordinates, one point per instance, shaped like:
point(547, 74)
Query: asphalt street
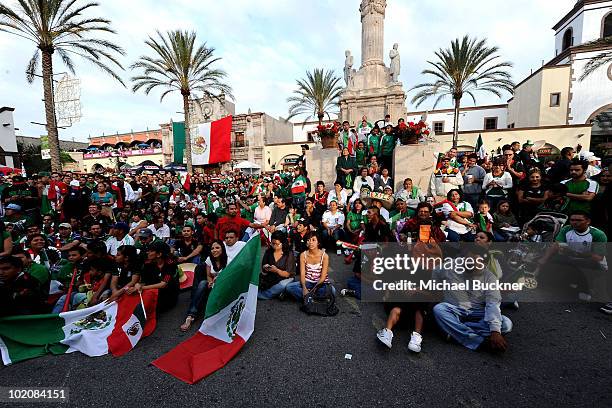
point(560, 355)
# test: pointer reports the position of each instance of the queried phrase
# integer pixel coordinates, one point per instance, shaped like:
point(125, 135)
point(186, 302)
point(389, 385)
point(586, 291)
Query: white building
point(8, 141)
point(470, 118)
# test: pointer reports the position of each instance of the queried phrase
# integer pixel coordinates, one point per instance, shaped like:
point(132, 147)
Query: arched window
point(568, 39)
point(607, 26)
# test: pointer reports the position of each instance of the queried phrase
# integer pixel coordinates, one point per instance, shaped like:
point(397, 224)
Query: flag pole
point(144, 311)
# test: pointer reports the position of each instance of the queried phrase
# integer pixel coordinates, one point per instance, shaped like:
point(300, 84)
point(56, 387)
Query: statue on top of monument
point(348, 68)
point(394, 68)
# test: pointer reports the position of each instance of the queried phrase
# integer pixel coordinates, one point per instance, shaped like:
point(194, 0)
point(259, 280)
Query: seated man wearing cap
point(14, 215)
point(21, 193)
point(65, 239)
point(119, 237)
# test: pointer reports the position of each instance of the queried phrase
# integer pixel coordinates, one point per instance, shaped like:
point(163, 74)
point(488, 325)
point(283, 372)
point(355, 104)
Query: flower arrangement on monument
point(411, 132)
point(329, 134)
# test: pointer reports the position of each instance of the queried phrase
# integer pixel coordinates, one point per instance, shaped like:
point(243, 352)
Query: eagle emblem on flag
point(95, 321)
point(234, 317)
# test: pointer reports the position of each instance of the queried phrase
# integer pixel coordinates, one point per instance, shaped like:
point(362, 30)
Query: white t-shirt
point(209, 263)
point(453, 225)
point(333, 220)
point(233, 250)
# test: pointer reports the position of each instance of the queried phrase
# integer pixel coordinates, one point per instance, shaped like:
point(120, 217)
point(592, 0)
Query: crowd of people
point(74, 240)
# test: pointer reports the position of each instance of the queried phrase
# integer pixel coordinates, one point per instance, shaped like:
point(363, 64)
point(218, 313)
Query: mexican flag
point(95, 331)
point(211, 142)
point(479, 148)
point(228, 323)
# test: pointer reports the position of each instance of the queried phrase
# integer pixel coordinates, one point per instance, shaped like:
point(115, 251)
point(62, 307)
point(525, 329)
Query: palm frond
point(315, 94)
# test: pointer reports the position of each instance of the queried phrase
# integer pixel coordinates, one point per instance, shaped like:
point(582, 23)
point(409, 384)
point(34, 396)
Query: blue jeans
point(76, 299)
point(295, 289)
point(453, 236)
point(354, 283)
point(330, 240)
point(275, 290)
point(199, 292)
point(467, 327)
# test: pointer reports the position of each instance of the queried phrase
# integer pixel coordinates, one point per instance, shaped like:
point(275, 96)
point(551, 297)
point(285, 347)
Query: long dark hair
point(222, 258)
point(282, 237)
point(131, 253)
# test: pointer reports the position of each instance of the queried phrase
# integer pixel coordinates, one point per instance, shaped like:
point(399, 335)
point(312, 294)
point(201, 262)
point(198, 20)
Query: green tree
point(601, 59)
point(316, 95)
point(179, 65)
point(33, 161)
point(467, 66)
point(60, 26)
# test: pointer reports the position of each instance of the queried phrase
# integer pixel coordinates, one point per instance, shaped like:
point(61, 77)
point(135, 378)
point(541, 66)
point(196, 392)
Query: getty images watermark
point(536, 272)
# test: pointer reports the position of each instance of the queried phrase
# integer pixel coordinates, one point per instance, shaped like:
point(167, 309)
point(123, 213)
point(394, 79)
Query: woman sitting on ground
point(314, 268)
point(204, 279)
point(277, 267)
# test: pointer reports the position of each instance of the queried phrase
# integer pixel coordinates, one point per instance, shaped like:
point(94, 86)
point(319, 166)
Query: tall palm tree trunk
point(52, 135)
point(188, 160)
point(320, 115)
point(456, 122)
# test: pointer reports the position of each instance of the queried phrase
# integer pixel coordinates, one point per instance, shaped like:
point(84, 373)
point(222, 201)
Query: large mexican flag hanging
point(229, 321)
point(105, 328)
point(211, 142)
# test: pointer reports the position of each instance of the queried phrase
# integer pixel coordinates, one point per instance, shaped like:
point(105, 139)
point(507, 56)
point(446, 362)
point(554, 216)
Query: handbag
point(320, 305)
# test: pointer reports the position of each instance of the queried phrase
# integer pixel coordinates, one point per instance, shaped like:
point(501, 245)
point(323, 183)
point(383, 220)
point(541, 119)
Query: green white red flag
point(112, 328)
point(228, 323)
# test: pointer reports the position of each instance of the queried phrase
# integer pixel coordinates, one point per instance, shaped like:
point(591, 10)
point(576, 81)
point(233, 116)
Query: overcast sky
point(266, 44)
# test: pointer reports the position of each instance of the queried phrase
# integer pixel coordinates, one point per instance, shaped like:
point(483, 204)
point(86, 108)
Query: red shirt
point(208, 235)
point(228, 223)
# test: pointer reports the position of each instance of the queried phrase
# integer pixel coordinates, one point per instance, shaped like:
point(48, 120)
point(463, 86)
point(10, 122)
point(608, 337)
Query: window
point(511, 126)
point(490, 123)
point(568, 39)
point(239, 140)
point(438, 127)
point(555, 99)
point(606, 30)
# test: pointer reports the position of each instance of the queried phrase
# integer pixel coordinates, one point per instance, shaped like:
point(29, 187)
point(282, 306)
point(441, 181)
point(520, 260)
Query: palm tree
point(178, 65)
point(59, 25)
point(315, 95)
point(469, 65)
point(599, 60)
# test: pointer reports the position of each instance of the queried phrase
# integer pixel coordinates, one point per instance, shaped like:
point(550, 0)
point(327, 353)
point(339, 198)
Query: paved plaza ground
point(560, 355)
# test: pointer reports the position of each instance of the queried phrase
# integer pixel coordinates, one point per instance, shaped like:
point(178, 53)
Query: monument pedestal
point(416, 162)
point(374, 103)
point(321, 165)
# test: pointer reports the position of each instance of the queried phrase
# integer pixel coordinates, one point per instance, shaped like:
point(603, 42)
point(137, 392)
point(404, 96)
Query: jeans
point(298, 203)
point(329, 240)
point(199, 292)
point(453, 236)
point(275, 290)
point(354, 283)
point(467, 327)
point(295, 289)
point(76, 299)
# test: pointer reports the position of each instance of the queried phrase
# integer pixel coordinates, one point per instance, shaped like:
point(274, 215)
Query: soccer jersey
point(579, 187)
point(592, 240)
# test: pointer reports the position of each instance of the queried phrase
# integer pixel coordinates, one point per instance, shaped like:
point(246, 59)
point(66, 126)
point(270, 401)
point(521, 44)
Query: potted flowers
point(329, 135)
point(411, 133)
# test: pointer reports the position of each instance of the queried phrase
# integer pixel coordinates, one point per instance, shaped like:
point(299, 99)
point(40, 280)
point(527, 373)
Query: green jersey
point(387, 144)
point(579, 187)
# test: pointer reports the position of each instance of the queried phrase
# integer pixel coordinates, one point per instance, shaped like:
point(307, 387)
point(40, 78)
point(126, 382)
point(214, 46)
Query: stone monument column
point(372, 31)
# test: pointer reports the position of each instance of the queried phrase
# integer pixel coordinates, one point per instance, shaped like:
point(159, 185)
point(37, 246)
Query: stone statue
point(369, 6)
point(395, 63)
point(348, 68)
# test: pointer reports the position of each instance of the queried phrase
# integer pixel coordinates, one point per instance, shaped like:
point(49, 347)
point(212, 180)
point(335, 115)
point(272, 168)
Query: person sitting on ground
point(383, 181)
point(232, 245)
point(339, 195)
point(355, 221)
point(503, 218)
point(159, 272)
point(332, 223)
point(472, 318)
point(159, 228)
point(314, 268)
point(320, 197)
point(127, 274)
point(188, 248)
point(204, 280)
point(233, 221)
point(278, 267)
point(413, 227)
point(19, 292)
point(279, 215)
point(311, 215)
point(363, 180)
point(298, 238)
point(119, 237)
point(411, 195)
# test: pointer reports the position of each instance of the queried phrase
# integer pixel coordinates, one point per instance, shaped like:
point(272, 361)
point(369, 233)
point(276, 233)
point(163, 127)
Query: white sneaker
point(415, 342)
point(385, 336)
point(339, 252)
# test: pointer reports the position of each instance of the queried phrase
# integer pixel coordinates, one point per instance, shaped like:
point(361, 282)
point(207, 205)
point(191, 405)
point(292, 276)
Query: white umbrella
point(247, 165)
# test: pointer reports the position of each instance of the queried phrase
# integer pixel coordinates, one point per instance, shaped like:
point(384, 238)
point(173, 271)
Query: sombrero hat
point(385, 199)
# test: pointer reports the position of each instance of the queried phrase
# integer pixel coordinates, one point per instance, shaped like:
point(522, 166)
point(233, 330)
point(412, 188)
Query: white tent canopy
point(248, 167)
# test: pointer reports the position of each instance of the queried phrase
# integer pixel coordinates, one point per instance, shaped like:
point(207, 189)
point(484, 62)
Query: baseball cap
point(75, 183)
point(14, 207)
point(144, 233)
point(65, 225)
point(529, 143)
point(121, 226)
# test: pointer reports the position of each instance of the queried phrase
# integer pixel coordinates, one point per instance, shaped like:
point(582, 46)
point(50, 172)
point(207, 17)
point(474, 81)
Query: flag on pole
point(112, 328)
point(211, 142)
point(479, 148)
point(228, 323)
